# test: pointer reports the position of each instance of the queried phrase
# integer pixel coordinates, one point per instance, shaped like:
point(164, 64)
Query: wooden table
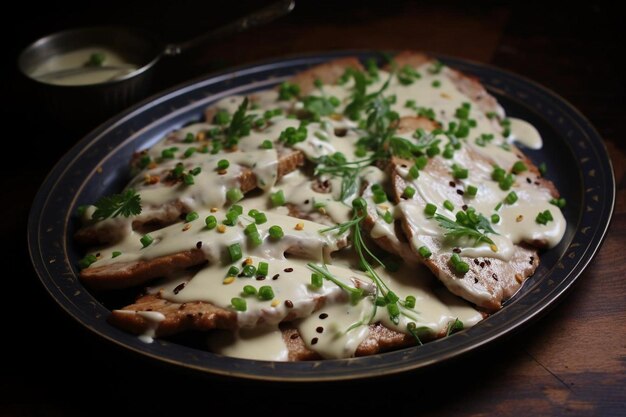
point(571, 362)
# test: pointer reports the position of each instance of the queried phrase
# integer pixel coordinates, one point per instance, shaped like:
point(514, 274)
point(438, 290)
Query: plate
point(574, 152)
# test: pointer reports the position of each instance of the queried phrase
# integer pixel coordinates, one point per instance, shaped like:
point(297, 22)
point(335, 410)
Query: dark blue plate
point(574, 152)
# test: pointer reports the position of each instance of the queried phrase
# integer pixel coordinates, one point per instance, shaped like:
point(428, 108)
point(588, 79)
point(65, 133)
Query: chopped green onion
point(239, 304)
point(168, 153)
point(234, 251)
point(498, 173)
point(221, 117)
point(87, 260)
point(249, 290)
point(237, 208)
point(424, 252)
point(189, 152)
point(249, 270)
point(359, 203)
point(409, 192)
point(234, 194)
point(250, 229)
point(498, 206)
point(471, 191)
point(189, 137)
point(223, 164)
point(409, 301)
point(495, 218)
point(232, 271)
point(421, 162)
point(277, 198)
point(518, 167)
point(511, 198)
point(448, 205)
point(115, 254)
point(433, 150)
point(191, 216)
point(263, 269)
point(276, 232)
point(210, 222)
point(267, 144)
point(260, 218)
point(266, 293)
point(430, 209)
point(543, 168)
point(316, 280)
point(459, 172)
point(560, 202)
point(146, 240)
point(379, 198)
point(255, 239)
point(188, 179)
point(448, 152)
point(195, 171)
point(436, 84)
point(544, 217)
point(393, 309)
point(388, 217)
point(414, 172)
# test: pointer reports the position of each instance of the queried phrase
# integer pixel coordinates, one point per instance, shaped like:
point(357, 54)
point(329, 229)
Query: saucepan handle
point(257, 18)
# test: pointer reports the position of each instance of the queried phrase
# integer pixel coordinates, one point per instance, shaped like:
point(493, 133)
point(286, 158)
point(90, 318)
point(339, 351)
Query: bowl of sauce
point(83, 76)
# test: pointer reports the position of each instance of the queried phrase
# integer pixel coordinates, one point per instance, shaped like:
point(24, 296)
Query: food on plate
point(349, 211)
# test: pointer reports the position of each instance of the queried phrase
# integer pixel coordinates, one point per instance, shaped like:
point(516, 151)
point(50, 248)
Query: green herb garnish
point(126, 204)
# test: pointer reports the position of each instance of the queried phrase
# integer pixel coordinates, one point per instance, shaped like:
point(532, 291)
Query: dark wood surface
point(571, 362)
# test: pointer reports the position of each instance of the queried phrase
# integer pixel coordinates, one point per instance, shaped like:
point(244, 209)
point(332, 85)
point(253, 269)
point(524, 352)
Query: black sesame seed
point(460, 192)
point(452, 184)
point(323, 316)
point(403, 165)
point(482, 264)
point(294, 336)
point(259, 277)
point(528, 180)
point(275, 277)
point(288, 270)
point(488, 262)
point(456, 250)
point(199, 245)
point(476, 261)
point(464, 207)
point(288, 304)
point(314, 341)
point(340, 132)
point(494, 276)
point(179, 288)
point(475, 280)
point(320, 329)
point(306, 201)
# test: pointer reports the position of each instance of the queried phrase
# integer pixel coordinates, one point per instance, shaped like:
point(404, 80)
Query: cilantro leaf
point(477, 229)
point(126, 204)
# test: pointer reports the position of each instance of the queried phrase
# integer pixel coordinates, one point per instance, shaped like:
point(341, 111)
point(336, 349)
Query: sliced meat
point(380, 339)
point(489, 281)
point(130, 274)
point(470, 86)
point(111, 231)
point(327, 73)
point(178, 317)
point(121, 275)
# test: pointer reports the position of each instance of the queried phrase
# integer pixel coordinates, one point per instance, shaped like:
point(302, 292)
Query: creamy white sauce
point(69, 68)
point(328, 322)
point(262, 343)
point(525, 133)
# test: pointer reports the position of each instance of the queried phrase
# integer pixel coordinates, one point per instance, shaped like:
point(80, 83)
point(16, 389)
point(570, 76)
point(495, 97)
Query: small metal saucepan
point(91, 103)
